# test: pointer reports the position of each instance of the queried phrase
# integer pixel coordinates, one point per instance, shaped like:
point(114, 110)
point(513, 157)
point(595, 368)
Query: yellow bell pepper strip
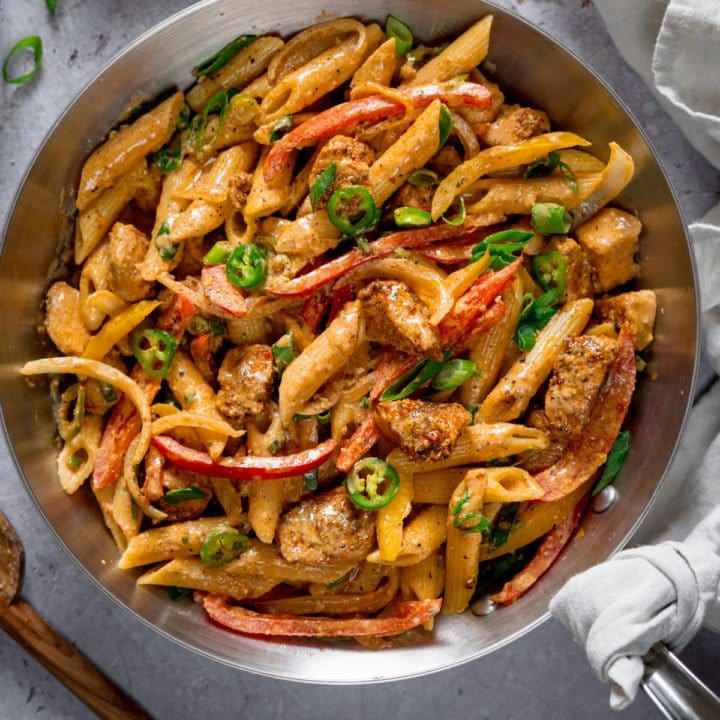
point(497, 158)
point(408, 614)
point(590, 449)
point(549, 550)
point(251, 467)
point(117, 328)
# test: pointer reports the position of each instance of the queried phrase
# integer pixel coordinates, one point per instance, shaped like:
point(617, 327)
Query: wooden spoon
point(48, 647)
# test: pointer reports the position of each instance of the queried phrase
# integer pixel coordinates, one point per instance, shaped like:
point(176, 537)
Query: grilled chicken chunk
point(578, 375)
point(395, 316)
point(415, 196)
point(352, 160)
point(424, 430)
point(610, 241)
point(63, 321)
point(636, 308)
point(513, 124)
point(326, 528)
point(128, 247)
point(246, 381)
point(173, 479)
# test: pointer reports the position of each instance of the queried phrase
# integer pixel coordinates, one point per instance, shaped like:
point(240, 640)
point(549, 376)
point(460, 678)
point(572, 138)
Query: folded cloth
point(664, 592)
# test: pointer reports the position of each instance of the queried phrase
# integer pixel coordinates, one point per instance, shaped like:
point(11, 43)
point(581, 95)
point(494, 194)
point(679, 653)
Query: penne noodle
point(389, 522)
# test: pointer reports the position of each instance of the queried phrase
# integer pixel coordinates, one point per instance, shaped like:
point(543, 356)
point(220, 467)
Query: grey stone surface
point(543, 675)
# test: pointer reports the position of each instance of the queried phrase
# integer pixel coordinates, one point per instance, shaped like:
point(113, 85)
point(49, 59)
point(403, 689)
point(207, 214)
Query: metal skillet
point(529, 64)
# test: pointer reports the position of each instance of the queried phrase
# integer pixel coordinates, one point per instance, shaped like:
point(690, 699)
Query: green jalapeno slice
point(154, 350)
point(222, 544)
point(372, 483)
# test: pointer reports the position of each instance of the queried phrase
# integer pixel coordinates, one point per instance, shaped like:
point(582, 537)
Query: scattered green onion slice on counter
point(31, 42)
point(51, 5)
point(615, 460)
point(154, 350)
point(396, 28)
point(411, 217)
point(221, 58)
point(221, 546)
point(352, 210)
point(180, 495)
point(247, 266)
point(550, 219)
point(372, 483)
point(322, 184)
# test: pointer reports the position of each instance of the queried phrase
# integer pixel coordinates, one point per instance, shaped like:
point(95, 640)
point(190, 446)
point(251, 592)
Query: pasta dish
point(347, 335)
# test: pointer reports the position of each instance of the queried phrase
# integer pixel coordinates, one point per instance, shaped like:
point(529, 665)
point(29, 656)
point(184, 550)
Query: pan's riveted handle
point(677, 692)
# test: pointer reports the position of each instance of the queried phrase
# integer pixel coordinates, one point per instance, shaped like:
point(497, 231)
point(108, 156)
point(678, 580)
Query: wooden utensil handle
point(68, 665)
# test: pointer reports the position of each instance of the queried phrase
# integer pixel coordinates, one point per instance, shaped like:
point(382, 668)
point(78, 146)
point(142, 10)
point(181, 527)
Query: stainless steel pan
point(530, 64)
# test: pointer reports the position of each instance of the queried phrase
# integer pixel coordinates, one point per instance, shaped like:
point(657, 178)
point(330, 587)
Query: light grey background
point(543, 675)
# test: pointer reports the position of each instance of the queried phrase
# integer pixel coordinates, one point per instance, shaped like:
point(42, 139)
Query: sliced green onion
point(283, 352)
point(323, 418)
point(168, 159)
point(167, 250)
point(224, 56)
point(51, 5)
point(217, 103)
point(73, 399)
point(640, 363)
point(322, 184)
point(281, 127)
point(180, 495)
point(32, 42)
point(395, 28)
point(615, 460)
point(108, 392)
point(352, 210)
point(411, 217)
point(454, 373)
point(154, 350)
point(183, 120)
point(548, 164)
point(423, 178)
point(503, 525)
point(337, 582)
point(535, 315)
point(446, 125)
point(74, 462)
point(216, 255)
point(372, 483)
point(412, 380)
point(503, 246)
point(550, 271)
point(177, 593)
point(310, 480)
point(479, 522)
point(550, 219)
point(247, 266)
point(460, 217)
point(221, 546)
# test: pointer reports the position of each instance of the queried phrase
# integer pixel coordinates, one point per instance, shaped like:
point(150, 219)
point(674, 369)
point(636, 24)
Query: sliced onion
point(466, 135)
point(190, 419)
point(616, 175)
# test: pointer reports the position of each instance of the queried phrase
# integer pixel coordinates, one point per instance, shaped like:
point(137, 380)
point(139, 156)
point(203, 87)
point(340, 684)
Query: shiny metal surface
point(676, 691)
point(42, 217)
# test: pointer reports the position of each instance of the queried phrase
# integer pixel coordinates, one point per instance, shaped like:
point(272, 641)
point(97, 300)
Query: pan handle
point(676, 691)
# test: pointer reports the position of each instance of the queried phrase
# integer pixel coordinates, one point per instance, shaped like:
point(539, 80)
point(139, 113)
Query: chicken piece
point(558, 440)
point(578, 375)
point(63, 320)
point(446, 160)
point(513, 124)
point(246, 381)
point(477, 116)
point(424, 430)
point(610, 241)
point(171, 478)
point(579, 280)
point(636, 308)
point(415, 196)
point(352, 160)
point(395, 316)
point(326, 528)
point(239, 189)
point(128, 247)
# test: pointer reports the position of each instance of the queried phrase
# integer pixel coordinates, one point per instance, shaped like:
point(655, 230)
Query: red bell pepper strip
point(250, 467)
point(369, 109)
point(360, 443)
point(589, 450)
point(341, 295)
point(124, 423)
point(202, 355)
point(408, 614)
point(315, 308)
point(393, 364)
point(221, 292)
point(457, 328)
point(549, 550)
point(305, 285)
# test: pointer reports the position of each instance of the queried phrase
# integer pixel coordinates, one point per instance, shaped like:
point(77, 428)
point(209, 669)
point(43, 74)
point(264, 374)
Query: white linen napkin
point(664, 592)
